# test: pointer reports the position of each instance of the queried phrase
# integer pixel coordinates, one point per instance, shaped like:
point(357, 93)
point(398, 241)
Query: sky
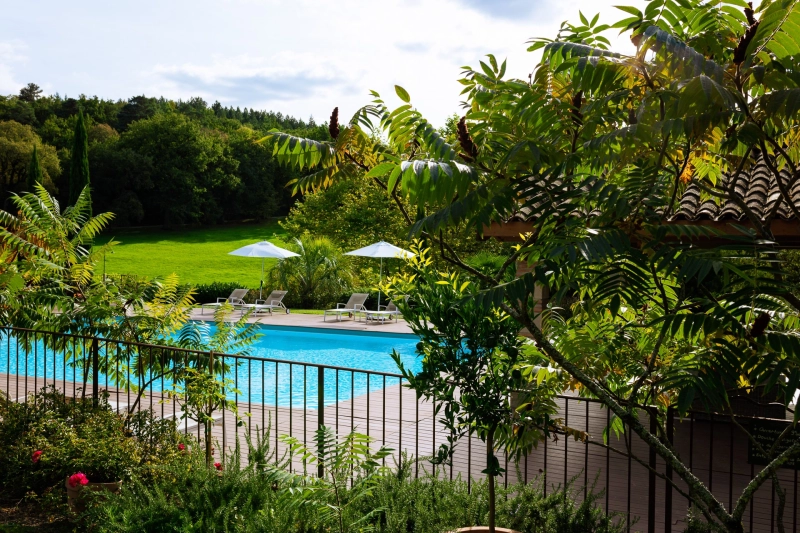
point(298, 57)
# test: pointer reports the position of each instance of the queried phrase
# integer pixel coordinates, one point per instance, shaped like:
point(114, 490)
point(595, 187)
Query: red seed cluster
point(464, 139)
point(333, 127)
point(741, 48)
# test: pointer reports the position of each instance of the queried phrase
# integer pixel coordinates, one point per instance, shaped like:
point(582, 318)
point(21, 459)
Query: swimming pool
point(278, 371)
point(293, 346)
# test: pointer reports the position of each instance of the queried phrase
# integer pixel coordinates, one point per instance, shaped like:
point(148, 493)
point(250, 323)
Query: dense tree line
point(151, 160)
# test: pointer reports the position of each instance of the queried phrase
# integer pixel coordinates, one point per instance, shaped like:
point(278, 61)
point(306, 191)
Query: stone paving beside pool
point(303, 320)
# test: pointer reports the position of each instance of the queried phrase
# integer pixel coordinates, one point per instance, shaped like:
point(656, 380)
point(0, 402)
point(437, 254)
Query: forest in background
point(153, 161)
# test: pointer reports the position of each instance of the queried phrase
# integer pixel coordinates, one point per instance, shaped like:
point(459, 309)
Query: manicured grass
point(197, 255)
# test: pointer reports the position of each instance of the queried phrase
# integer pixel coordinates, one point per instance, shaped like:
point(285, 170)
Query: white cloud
point(11, 53)
point(299, 57)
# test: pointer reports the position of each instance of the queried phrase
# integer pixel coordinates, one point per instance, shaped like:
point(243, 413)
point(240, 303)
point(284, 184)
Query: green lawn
point(197, 255)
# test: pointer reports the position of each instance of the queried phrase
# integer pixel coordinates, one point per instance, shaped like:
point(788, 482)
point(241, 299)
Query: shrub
point(209, 292)
point(434, 504)
point(429, 504)
point(528, 509)
point(315, 278)
point(489, 264)
point(193, 497)
point(189, 496)
point(46, 440)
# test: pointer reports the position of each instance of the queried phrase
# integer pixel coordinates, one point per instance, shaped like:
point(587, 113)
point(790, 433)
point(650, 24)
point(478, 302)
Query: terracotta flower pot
point(75, 499)
point(483, 529)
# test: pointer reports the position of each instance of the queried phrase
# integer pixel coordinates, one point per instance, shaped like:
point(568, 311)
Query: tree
point(79, 161)
point(194, 167)
point(121, 180)
point(597, 149)
point(49, 249)
point(35, 174)
point(316, 277)
point(473, 367)
point(263, 190)
point(30, 93)
point(17, 142)
point(137, 108)
point(354, 212)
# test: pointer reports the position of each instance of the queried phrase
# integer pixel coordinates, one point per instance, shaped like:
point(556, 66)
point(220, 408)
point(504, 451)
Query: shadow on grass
point(195, 235)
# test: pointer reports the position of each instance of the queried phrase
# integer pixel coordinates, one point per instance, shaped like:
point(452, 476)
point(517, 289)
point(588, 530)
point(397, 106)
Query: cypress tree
point(35, 174)
point(79, 165)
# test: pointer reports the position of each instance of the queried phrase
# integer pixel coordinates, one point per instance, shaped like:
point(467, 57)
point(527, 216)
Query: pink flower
point(218, 466)
point(181, 447)
point(78, 479)
point(36, 456)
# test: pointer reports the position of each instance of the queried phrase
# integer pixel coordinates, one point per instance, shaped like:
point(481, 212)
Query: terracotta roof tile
point(757, 186)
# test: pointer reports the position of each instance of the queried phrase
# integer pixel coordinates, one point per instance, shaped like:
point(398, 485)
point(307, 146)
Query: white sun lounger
point(236, 299)
point(354, 305)
point(384, 312)
point(273, 301)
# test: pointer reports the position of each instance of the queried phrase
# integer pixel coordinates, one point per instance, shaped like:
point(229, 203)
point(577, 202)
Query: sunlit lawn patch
point(197, 255)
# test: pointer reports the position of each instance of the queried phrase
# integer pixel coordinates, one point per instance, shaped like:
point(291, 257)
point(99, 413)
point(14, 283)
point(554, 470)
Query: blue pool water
point(278, 373)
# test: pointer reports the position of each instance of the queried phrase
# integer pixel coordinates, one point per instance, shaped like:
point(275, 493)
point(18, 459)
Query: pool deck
point(314, 321)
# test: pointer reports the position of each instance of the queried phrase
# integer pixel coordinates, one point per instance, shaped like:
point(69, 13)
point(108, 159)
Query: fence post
point(668, 488)
point(651, 504)
point(320, 421)
point(95, 372)
point(206, 423)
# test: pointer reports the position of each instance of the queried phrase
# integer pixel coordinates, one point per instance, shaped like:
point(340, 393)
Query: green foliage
point(348, 473)
point(79, 161)
point(209, 292)
point(490, 264)
point(192, 497)
point(76, 436)
point(594, 151)
point(123, 177)
point(194, 166)
point(563, 509)
point(200, 394)
point(428, 504)
point(353, 213)
point(49, 251)
point(35, 173)
point(474, 364)
point(314, 278)
point(17, 143)
point(473, 367)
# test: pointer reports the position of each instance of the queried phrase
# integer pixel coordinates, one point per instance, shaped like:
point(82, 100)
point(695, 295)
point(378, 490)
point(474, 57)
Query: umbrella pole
point(379, 287)
point(261, 287)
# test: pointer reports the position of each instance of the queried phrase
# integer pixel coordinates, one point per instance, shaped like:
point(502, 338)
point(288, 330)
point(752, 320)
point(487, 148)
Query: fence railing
point(296, 398)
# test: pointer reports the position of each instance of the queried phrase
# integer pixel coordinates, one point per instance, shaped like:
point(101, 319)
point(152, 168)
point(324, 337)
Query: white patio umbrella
point(263, 250)
point(381, 249)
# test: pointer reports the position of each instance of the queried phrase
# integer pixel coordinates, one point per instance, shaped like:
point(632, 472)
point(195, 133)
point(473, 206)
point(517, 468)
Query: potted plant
point(99, 458)
point(78, 482)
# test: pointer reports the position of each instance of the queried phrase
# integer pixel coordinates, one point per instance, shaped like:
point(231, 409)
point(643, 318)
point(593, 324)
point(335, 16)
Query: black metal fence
point(295, 398)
